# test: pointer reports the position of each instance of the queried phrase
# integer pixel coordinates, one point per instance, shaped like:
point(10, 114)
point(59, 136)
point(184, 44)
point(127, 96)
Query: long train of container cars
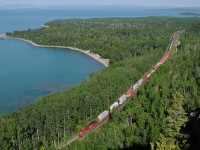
point(125, 97)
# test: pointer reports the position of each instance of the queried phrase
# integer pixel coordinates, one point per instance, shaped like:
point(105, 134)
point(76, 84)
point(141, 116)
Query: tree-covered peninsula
point(153, 119)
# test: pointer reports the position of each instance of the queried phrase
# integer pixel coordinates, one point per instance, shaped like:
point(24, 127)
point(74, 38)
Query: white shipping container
point(103, 114)
point(158, 64)
point(148, 75)
point(152, 71)
point(122, 99)
point(135, 86)
point(140, 82)
point(114, 105)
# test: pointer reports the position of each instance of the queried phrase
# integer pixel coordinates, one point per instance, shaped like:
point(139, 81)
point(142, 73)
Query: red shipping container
point(130, 92)
point(88, 127)
point(144, 77)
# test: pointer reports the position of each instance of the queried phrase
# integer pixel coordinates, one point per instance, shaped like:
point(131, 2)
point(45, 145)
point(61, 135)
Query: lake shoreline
point(97, 57)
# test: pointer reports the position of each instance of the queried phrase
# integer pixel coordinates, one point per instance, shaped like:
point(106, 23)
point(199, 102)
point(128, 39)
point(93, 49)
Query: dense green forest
point(116, 39)
point(152, 119)
point(155, 117)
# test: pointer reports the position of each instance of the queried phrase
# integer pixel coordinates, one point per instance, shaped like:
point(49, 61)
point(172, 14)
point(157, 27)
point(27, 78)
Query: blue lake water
point(20, 19)
point(27, 72)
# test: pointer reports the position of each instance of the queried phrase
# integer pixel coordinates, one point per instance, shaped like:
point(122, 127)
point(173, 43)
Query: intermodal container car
point(122, 99)
point(144, 77)
point(135, 86)
point(87, 128)
point(114, 105)
point(140, 82)
point(103, 116)
point(148, 75)
point(130, 92)
point(158, 64)
point(155, 66)
point(152, 71)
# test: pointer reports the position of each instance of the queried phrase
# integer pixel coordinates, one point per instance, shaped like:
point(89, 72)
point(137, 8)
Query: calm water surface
point(20, 19)
point(27, 72)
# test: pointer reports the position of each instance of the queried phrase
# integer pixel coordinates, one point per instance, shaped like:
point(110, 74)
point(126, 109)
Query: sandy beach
point(97, 57)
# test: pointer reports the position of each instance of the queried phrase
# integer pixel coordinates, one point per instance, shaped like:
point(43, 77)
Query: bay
point(27, 72)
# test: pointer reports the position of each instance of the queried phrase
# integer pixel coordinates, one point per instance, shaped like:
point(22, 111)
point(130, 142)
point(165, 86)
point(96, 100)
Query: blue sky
point(150, 3)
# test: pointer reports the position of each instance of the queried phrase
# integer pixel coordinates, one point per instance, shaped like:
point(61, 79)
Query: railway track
point(168, 51)
point(69, 142)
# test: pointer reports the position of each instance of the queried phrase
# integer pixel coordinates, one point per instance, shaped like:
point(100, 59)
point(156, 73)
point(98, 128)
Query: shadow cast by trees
point(193, 130)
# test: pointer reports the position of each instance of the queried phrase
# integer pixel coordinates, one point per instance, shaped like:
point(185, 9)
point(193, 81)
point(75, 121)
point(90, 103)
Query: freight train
point(130, 92)
point(101, 118)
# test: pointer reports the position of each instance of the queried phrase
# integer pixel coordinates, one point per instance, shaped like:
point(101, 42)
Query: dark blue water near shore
point(27, 72)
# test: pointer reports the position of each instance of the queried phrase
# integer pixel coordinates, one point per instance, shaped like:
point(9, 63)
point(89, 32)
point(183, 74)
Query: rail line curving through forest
point(121, 101)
